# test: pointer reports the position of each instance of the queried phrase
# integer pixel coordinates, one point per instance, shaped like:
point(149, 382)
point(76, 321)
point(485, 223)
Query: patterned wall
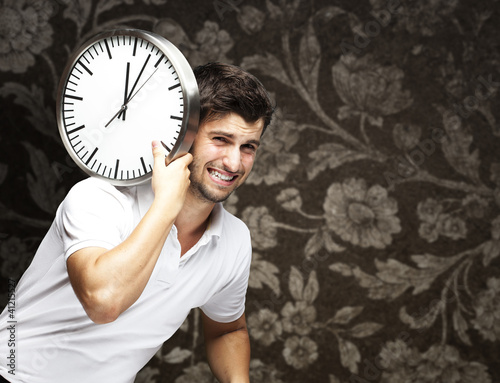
point(374, 204)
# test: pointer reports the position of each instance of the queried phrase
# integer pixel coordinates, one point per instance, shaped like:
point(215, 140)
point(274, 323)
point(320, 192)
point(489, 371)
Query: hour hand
point(123, 109)
point(123, 113)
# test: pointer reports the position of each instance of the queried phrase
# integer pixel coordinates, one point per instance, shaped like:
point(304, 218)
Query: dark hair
point(226, 88)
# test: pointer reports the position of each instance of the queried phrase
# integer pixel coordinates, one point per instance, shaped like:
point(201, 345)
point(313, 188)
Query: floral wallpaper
point(374, 205)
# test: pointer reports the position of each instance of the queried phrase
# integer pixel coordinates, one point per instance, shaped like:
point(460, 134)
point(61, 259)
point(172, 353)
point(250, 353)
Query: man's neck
point(192, 221)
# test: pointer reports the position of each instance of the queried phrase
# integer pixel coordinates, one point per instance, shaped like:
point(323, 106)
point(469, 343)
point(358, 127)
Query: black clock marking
point(135, 47)
point(143, 165)
point(159, 61)
point(116, 170)
point(174, 86)
point(91, 156)
point(176, 118)
point(107, 48)
point(73, 97)
point(76, 129)
point(85, 67)
point(166, 147)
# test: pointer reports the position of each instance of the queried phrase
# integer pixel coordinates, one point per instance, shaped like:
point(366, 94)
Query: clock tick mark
point(174, 86)
point(76, 129)
point(86, 68)
point(116, 170)
point(107, 48)
point(135, 47)
point(92, 156)
point(73, 97)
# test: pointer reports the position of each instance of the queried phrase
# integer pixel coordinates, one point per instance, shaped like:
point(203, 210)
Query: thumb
point(159, 152)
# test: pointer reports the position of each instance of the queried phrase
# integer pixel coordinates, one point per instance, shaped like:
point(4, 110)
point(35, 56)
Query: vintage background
point(374, 204)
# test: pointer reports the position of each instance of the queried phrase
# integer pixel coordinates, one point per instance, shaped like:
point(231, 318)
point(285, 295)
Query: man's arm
point(228, 349)
point(107, 282)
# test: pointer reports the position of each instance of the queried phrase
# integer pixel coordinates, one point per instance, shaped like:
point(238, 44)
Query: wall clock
point(121, 90)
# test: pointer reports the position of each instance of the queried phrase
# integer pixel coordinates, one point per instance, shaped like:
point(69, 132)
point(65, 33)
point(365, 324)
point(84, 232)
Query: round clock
point(120, 91)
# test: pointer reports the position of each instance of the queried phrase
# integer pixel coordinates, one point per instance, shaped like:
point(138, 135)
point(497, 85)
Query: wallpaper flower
point(374, 204)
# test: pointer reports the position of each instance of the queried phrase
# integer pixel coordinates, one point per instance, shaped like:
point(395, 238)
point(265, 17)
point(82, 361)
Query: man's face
point(223, 155)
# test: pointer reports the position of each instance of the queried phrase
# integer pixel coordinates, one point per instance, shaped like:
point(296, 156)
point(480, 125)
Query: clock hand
point(124, 106)
point(138, 78)
point(125, 93)
point(122, 109)
point(137, 91)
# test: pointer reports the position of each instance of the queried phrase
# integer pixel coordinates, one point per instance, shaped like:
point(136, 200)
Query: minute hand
point(131, 94)
point(124, 106)
point(137, 91)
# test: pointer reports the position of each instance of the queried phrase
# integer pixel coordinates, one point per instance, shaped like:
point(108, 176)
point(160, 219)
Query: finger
point(185, 158)
point(159, 152)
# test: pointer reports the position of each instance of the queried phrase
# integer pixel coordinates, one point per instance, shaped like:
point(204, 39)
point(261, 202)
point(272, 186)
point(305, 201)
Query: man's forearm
point(229, 356)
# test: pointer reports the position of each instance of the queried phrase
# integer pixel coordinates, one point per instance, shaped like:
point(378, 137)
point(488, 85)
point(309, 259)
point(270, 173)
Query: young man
point(121, 267)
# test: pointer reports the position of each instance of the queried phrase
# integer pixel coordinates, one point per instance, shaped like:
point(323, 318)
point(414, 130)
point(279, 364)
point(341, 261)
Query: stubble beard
point(200, 190)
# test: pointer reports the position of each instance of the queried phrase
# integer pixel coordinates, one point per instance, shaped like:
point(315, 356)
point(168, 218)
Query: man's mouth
point(221, 176)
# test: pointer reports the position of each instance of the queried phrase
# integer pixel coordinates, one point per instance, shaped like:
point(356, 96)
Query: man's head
point(235, 111)
point(226, 88)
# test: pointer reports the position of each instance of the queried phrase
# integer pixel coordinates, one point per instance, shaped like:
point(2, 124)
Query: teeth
point(220, 176)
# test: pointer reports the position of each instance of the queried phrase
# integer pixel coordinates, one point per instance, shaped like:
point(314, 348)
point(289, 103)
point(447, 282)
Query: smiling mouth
point(220, 176)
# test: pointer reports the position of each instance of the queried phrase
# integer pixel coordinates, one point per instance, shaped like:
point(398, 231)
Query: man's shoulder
point(97, 186)
point(94, 191)
point(233, 226)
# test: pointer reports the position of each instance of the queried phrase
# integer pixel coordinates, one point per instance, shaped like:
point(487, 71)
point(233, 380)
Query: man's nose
point(232, 159)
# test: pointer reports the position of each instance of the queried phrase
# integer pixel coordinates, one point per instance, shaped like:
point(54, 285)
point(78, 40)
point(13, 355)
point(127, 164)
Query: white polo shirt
point(56, 342)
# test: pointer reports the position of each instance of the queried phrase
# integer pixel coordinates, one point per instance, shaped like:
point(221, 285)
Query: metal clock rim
point(189, 87)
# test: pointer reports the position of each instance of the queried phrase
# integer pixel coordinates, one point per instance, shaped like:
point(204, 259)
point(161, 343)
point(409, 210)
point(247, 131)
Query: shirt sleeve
point(93, 214)
point(228, 304)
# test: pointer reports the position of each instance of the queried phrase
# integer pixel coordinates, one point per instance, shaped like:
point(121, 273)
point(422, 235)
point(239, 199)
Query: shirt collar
point(214, 227)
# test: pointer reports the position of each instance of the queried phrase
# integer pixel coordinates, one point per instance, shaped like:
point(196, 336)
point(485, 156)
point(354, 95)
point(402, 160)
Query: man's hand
point(170, 181)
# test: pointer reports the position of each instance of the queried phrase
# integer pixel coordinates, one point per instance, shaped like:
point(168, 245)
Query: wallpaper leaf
point(269, 65)
point(43, 183)
point(78, 11)
point(40, 116)
point(309, 58)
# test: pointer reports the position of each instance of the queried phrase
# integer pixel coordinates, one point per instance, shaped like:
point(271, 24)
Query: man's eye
point(222, 139)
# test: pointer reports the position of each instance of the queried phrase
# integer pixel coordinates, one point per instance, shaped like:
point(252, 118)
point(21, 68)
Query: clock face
point(121, 91)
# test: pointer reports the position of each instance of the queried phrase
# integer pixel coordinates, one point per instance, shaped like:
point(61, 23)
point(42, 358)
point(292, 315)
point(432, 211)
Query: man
point(121, 267)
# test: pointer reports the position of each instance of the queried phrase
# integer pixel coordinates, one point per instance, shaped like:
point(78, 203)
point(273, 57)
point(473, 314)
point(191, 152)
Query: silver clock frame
point(190, 93)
